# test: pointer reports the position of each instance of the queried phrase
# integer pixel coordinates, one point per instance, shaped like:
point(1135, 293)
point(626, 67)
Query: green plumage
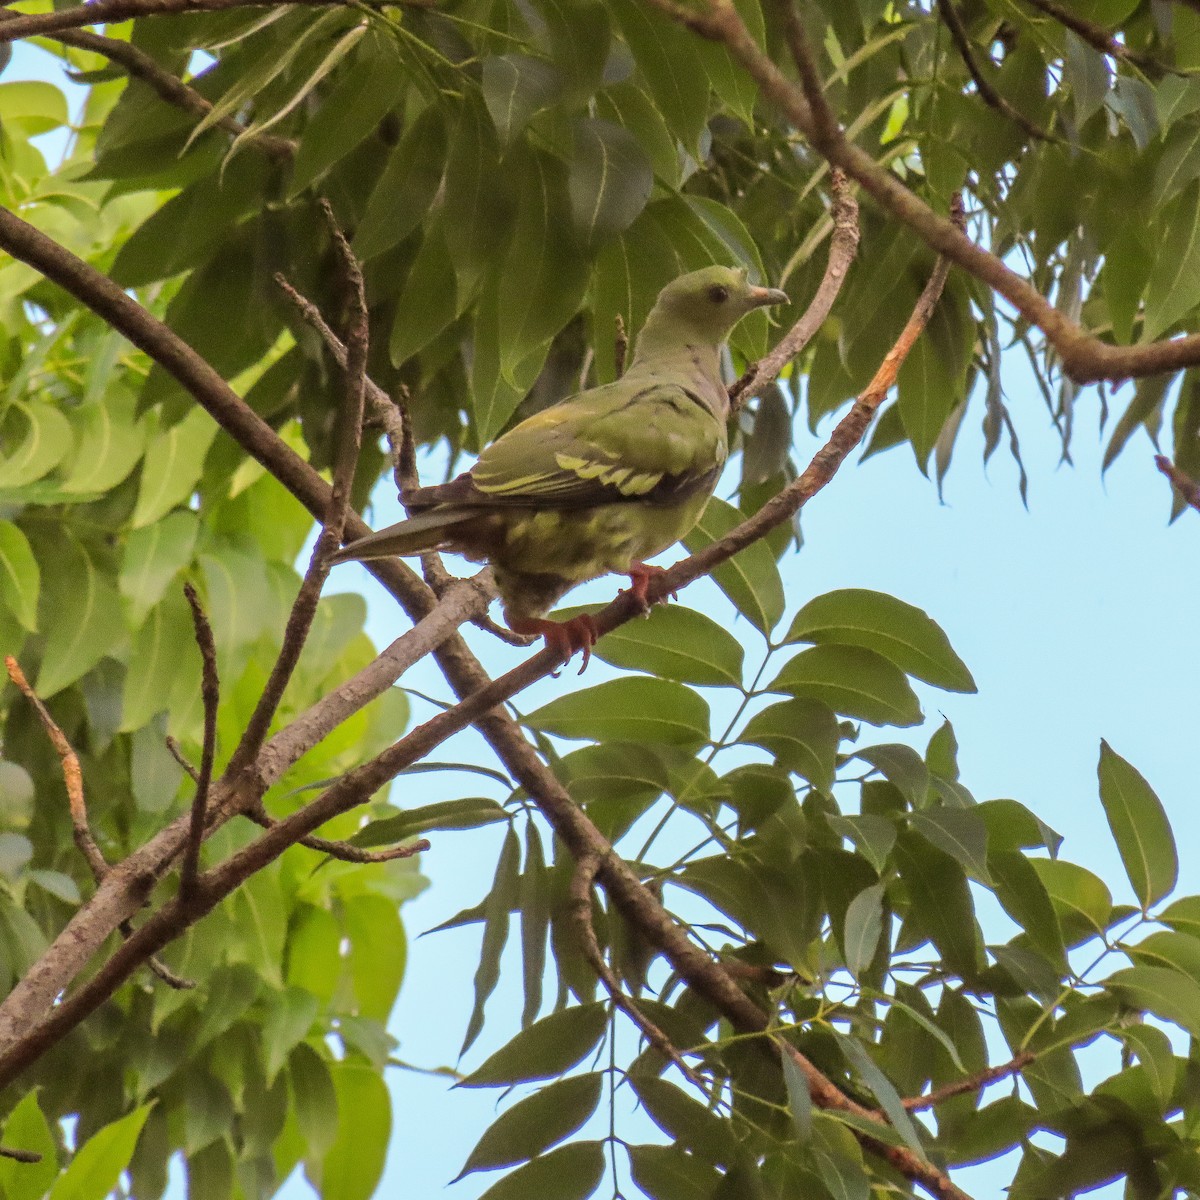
point(603, 480)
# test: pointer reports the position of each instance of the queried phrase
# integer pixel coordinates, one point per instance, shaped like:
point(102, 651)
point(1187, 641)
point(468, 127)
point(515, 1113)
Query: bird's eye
point(718, 293)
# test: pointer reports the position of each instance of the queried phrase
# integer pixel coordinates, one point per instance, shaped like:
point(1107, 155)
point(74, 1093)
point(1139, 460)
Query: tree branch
point(210, 693)
point(1085, 358)
point(1097, 36)
point(1184, 484)
point(142, 66)
point(111, 12)
point(989, 95)
point(972, 1083)
point(842, 248)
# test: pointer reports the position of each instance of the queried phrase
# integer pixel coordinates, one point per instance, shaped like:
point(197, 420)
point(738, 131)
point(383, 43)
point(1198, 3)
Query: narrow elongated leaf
point(1139, 826)
point(941, 901)
point(852, 681)
point(864, 924)
point(535, 922)
point(154, 556)
point(1081, 899)
point(838, 1158)
point(28, 1129)
point(354, 1163)
point(873, 836)
point(1023, 896)
point(1154, 1052)
point(20, 579)
point(636, 709)
point(548, 1047)
point(868, 1071)
point(801, 734)
point(1174, 287)
point(536, 1123)
point(750, 578)
point(174, 461)
point(799, 1098)
point(902, 633)
point(94, 1170)
point(497, 908)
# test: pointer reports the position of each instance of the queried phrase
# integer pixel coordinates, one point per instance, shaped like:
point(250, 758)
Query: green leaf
point(610, 180)
point(864, 924)
point(1012, 826)
point(80, 617)
point(351, 110)
point(1082, 901)
point(352, 1167)
point(401, 198)
point(799, 1096)
point(1179, 164)
point(154, 556)
point(429, 301)
point(868, 1071)
point(536, 1123)
point(163, 665)
point(627, 104)
point(569, 1173)
point(33, 106)
point(548, 1047)
point(535, 923)
point(668, 1173)
point(28, 1129)
point(20, 579)
point(635, 709)
point(875, 621)
point(372, 921)
point(961, 833)
point(941, 902)
point(1154, 1052)
point(98, 1163)
point(44, 440)
point(677, 643)
point(1023, 896)
point(544, 278)
point(690, 1125)
point(873, 836)
point(469, 813)
point(499, 904)
point(1160, 990)
point(750, 579)
point(1174, 287)
point(802, 736)
point(852, 681)
point(901, 766)
point(110, 442)
point(174, 463)
point(316, 1100)
point(1167, 948)
point(1183, 915)
point(838, 1159)
point(670, 66)
point(1139, 826)
point(516, 87)
point(289, 1018)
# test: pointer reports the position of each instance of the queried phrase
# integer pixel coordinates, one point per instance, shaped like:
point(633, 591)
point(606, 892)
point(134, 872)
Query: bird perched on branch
point(599, 482)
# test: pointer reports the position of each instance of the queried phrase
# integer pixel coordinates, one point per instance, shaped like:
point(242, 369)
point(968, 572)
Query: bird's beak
point(762, 296)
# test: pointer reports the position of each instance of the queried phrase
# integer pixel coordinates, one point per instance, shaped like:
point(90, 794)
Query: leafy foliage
point(515, 177)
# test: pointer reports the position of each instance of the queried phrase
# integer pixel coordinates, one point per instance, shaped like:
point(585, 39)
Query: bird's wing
point(655, 444)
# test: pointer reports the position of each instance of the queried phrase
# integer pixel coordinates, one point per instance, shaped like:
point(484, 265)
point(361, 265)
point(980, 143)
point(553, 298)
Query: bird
point(599, 482)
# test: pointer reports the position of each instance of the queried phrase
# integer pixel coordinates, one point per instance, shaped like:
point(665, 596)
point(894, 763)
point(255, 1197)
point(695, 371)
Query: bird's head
point(705, 305)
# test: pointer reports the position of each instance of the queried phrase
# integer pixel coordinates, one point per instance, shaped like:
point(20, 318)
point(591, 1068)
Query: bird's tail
point(425, 531)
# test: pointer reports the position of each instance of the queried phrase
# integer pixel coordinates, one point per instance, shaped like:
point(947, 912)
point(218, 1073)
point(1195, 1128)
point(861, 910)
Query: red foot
point(644, 579)
point(563, 637)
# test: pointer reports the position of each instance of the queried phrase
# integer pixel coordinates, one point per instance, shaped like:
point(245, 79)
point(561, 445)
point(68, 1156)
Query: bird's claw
point(643, 579)
point(563, 637)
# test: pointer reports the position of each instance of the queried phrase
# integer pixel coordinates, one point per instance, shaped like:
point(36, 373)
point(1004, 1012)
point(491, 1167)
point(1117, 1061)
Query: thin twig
point(1097, 36)
point(73, 779)
point(972, 1083)
point(582, 880)
point(210, 693)
point(25, 1156)
point(989, 95)
point(344, 851)
point(141, 66)
point(1183, 483)
point(621, 346)
point(111, 12)
point(176, 752)
point(72, 776)
point(842, 248)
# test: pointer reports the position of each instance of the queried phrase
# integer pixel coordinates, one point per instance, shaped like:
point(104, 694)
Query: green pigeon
point(600, 482)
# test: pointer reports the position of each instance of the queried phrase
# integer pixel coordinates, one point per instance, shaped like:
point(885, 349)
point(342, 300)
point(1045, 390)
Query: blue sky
point(1076, 617)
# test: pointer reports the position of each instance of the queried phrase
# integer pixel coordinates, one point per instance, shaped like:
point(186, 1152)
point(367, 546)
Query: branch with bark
point(29, 1023)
